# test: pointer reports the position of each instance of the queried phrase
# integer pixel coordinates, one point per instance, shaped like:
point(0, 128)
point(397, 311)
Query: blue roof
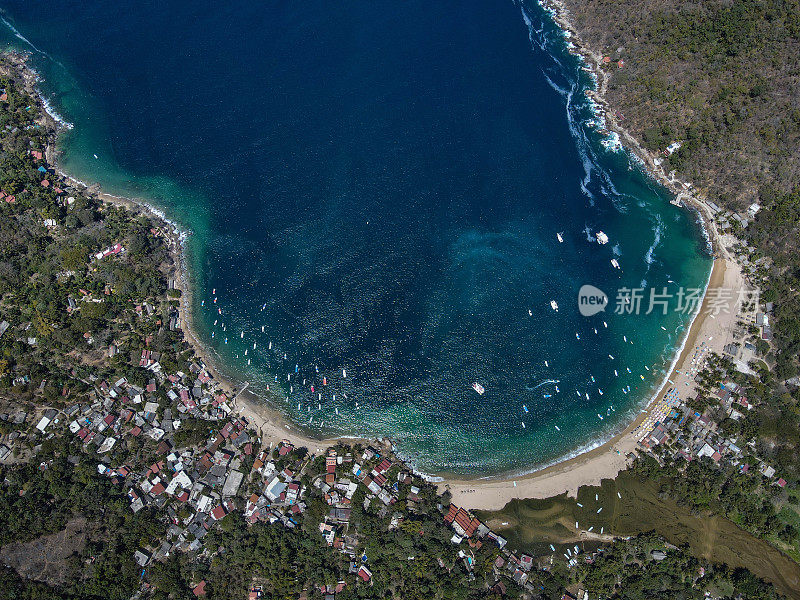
point(42, 169)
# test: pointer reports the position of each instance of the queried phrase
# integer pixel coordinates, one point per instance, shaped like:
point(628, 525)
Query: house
point(706, 450)
point(526, 562)
point(461, 521)
point(232, 483)
point(364, 573)
point(200, 589)
point(767, 471)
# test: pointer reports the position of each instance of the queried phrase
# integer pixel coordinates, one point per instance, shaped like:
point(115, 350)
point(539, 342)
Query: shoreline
point(613, 456)
point(273, 426)
point(270, 420)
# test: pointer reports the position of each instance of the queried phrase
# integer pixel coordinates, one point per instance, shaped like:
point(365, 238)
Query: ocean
point(375, 189)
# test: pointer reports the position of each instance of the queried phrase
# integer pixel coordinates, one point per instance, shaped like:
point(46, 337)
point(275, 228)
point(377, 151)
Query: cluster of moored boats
point(601, 239)
point(320, 386)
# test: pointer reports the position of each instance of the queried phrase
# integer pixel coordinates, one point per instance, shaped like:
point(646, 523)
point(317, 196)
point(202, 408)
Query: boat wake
point(540, 384)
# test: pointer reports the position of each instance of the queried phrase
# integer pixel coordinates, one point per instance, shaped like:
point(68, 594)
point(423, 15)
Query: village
point(194, 486)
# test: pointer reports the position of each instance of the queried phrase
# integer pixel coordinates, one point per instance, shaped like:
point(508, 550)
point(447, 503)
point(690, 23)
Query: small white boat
point(615, 263)
point(560, 237)
point(664, 328)
point(545, 364)
point(344, 373)
point(525, 408)
point(577, 336)
point(554, 305)
point(602, 238)
point(478, 388)
point(605, 324)
point(523, 424)
point(611, 356)
point(95, 155)
point(557, 427)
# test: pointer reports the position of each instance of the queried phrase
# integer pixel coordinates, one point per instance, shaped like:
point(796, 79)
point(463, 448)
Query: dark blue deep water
point(379, 186)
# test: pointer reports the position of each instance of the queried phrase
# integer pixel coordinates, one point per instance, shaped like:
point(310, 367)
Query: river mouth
point(531, 525)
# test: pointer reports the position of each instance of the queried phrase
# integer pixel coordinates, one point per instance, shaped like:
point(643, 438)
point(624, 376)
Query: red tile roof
point(451, 514)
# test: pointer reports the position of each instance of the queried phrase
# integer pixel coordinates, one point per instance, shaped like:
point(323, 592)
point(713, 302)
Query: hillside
point(721, 77)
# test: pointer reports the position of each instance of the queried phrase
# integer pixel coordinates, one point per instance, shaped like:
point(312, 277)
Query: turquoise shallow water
point(379, 187)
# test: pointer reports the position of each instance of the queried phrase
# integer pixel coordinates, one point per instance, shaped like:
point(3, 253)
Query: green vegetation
point(718, 76)
point(39, 498)
point(617, 572)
